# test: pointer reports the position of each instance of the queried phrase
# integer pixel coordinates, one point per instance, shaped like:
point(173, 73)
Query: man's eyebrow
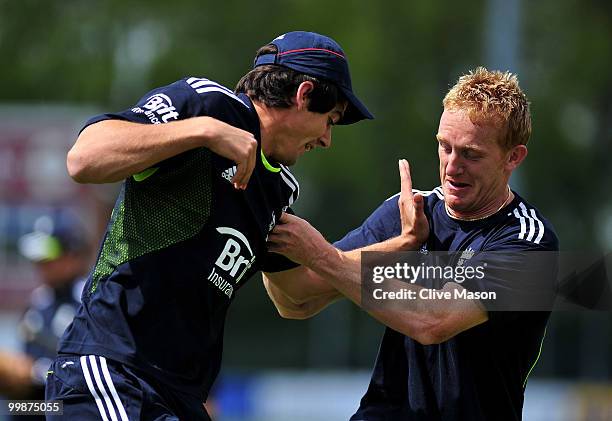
point(468, 147)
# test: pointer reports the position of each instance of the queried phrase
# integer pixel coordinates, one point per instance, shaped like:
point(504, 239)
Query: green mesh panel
point(170, 206)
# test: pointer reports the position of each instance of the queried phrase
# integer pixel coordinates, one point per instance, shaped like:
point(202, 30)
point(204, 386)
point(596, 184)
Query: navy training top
point(481, 373)
point(180, 244)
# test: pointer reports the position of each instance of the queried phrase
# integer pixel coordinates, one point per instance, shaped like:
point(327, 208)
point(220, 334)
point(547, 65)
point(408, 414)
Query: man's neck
point(494, 206)
point(267, 126)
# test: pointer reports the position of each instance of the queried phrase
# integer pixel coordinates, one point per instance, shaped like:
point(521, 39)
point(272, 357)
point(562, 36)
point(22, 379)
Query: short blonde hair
point(493, 97)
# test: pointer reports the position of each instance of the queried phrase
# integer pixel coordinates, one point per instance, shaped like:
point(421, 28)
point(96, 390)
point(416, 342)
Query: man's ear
point(515, 156)
point(302, 96)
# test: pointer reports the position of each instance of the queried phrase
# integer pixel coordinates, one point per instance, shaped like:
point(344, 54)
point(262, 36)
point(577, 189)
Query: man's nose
point(326, 139)
point(454, 165)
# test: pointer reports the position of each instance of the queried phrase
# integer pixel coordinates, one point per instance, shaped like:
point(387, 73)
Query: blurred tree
point(567, 57)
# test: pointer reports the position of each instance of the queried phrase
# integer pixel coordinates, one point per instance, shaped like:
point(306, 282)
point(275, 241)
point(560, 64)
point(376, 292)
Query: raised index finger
point(405, 179)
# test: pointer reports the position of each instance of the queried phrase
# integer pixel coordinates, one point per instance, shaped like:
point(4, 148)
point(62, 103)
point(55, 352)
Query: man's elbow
point(77, 166)
point(444, 327)
point(295, 314)
point(432, 334)
point(86, 159)
point(297, 311)
point(432, 338)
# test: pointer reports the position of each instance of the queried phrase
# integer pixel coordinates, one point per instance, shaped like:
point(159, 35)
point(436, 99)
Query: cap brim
point(355, 111)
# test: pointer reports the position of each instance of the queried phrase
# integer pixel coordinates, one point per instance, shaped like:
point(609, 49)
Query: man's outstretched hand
point(415, 227)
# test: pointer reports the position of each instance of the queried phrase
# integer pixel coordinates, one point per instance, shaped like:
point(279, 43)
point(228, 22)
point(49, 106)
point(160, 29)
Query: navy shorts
point(94, 388)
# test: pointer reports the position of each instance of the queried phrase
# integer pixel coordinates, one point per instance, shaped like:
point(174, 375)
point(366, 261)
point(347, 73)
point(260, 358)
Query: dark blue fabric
point(140, 397)
point(478, 374)
point(163, 313)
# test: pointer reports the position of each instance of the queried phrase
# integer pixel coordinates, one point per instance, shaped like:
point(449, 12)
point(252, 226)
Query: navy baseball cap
point(53, 236)
point(319, 56)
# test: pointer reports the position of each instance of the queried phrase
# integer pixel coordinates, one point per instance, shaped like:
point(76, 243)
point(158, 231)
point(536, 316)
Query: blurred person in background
point(59, 249)
point(456, 358)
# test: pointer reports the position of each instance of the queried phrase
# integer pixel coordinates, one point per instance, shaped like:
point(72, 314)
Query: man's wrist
point(205, 132)
point(195, 132)
point(328, 257)
point(405, 243)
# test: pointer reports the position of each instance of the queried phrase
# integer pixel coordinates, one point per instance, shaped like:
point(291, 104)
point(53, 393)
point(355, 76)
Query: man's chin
point(286, 161)
point(454, 202)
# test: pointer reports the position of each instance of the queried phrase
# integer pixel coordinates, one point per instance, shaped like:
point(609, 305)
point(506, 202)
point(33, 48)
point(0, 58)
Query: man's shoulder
point(213, 93)
point(431, 196)
point(388, 213)
point(525, 224)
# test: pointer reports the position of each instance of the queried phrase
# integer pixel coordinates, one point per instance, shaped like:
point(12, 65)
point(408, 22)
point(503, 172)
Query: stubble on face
point(306, 130)
point(471, 163)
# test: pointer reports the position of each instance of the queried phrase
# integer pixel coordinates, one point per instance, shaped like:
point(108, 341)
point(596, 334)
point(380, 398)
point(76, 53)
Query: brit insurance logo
point(233, 262)
point(158, 109)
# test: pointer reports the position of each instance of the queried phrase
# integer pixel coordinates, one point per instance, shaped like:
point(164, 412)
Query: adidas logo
point(228, 174)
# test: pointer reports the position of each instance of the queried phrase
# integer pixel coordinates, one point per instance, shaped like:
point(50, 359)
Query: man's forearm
point(330, 269)
point(343, 269)
point(433, 321)
point(299, 292)
point(112, 150)
point(290, 308)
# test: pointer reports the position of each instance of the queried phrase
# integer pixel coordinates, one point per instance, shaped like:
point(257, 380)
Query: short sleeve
point(274, 262)
point(517, 274)
point(183, 99)
point(176, 101)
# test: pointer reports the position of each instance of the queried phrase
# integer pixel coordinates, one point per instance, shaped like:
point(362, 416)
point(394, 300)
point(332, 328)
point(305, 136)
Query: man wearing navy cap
point(205, 180)
point(58, 247)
